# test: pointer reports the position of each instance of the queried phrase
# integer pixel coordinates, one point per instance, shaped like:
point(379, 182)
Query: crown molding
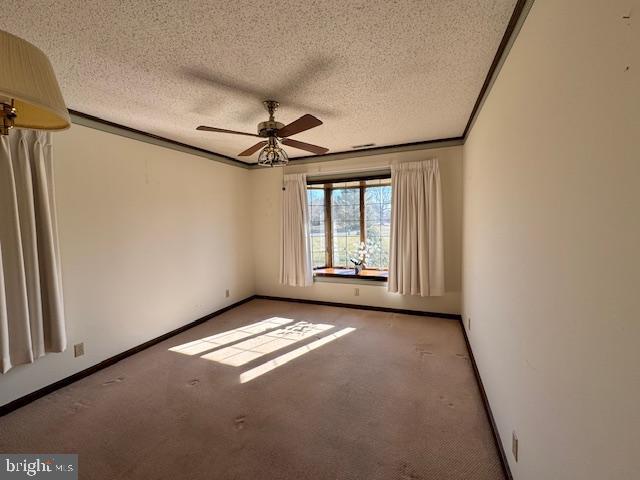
point(520, 12)
point(86, 120)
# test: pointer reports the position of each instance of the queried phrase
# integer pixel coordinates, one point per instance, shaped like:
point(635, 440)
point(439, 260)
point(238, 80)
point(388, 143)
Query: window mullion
point(363, 235)
point(328, 226)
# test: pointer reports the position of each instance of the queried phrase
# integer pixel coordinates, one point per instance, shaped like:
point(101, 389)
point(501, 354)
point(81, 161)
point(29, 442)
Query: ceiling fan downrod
point(270, 127)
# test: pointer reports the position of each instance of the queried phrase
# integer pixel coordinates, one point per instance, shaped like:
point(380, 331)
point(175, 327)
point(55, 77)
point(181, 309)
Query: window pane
point(352, 220)
point(353, 242)
point(318, 254)
point(373, 245)
point(338, 197)
point(345, 213)
point(384, 252)
point(386, 194)
point(316, 220)
point(352, 196)
point(315, 198)
point(340, 251)
point(372, 195)
point(378, 224)
point(339, 219)
point(386, 214)
point(372, 218)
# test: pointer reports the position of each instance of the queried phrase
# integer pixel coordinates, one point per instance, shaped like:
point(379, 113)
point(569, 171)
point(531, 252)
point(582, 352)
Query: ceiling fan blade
point(305, 122)
point(252, 150)
point(222, 130)
point(305, 146)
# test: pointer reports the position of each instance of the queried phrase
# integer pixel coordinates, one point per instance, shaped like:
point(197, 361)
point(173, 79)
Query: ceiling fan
point(275, 133)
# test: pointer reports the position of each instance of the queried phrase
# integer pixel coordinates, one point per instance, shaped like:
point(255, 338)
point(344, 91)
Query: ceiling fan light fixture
point(273, 155)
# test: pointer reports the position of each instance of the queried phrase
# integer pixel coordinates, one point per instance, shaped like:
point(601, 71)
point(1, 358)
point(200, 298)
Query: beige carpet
point(395, 398)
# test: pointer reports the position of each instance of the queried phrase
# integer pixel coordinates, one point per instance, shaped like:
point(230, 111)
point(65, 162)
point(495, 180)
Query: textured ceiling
point(377, 71)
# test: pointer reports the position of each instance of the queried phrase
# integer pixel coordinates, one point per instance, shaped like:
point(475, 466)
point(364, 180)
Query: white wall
point(267, 195)
point(551, 238)
point(150, 239)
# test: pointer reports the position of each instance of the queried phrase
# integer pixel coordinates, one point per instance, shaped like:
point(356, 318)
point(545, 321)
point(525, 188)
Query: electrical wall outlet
point(78, 349)
point(468, 323)
point(514, 445)
point(356, 292)
point(226, 293)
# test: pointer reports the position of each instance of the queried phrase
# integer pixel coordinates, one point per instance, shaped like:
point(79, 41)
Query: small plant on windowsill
point(365, 250)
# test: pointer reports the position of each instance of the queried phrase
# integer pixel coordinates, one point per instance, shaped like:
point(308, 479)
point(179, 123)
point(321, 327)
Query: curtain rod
point(343, 172)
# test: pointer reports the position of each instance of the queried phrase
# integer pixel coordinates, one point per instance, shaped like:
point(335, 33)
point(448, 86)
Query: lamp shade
point(27, 77)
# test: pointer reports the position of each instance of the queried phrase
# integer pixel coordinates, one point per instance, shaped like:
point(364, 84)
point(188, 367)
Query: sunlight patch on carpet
point(215, 341)
point(253, 348)
point(287, 357)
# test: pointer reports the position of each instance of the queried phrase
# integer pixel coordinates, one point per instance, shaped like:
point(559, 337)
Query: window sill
point(367, 274)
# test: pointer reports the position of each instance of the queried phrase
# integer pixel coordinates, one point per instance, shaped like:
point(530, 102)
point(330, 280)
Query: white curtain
point(416, 258)
point(295, 249)
point(31, 305)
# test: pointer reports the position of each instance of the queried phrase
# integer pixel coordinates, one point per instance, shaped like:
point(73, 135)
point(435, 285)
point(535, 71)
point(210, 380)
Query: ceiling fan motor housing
point(269, 128)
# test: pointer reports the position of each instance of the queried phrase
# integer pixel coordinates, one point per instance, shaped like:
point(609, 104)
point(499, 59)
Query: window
point(344, 214)
point(316, 200)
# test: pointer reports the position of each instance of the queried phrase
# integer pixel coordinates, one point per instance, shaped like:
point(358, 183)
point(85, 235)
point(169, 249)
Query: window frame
point(328, 187)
